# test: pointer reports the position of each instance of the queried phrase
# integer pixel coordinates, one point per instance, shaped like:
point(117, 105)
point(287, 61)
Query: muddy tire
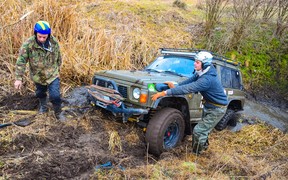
point(227, 119)
point(165, 131)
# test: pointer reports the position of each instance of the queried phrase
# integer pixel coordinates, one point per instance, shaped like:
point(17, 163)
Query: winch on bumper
point(110, 99)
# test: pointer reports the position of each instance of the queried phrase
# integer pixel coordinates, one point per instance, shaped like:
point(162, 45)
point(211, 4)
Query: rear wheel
point(227, 119)
point(165, 130)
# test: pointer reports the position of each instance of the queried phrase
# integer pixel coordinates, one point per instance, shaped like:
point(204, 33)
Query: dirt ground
point(75, 148)
point(50, 149)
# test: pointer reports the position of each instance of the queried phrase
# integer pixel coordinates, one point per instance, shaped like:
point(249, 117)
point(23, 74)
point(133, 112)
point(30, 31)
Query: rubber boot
point(43, 105)
point(205, 146)
point(198, 148)
point(195, 147)
point(58, 112)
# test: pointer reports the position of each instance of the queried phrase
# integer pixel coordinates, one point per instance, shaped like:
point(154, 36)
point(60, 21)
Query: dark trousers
point(53, 89)
point(201, 131)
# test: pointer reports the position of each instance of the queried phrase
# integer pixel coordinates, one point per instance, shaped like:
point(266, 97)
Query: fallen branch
point(23, 112)
point(21, 18)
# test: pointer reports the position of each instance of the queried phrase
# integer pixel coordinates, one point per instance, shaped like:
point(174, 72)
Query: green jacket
point(44, 65)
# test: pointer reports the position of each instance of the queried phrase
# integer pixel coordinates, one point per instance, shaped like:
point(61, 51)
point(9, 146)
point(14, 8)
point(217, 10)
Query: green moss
point(2, 164)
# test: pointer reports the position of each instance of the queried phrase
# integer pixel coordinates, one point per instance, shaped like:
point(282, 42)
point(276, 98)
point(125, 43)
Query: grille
point(122, 89)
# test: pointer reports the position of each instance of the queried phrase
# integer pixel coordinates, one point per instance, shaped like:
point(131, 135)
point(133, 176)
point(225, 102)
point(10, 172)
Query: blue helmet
point(42, 27)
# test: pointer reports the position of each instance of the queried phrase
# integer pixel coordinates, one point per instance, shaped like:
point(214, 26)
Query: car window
point(180, 65)
point(230, 78)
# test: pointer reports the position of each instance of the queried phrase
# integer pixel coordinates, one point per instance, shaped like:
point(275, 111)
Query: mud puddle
point(269, 114)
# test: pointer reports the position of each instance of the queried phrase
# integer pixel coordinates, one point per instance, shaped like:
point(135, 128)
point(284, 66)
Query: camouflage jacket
point(44, 64)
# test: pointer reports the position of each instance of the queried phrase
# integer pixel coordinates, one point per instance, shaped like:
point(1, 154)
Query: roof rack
point(192, 52)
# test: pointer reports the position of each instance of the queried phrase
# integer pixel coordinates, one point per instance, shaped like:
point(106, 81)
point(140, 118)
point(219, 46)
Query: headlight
point(136, 93)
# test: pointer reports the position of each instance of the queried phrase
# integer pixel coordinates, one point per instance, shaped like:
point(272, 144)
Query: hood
point(140, 77)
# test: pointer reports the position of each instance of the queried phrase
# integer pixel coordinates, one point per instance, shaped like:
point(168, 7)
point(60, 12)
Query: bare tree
point(245, 11)
point(199, 4)
point(269, 9)
point(282, 18)
point(214, 9)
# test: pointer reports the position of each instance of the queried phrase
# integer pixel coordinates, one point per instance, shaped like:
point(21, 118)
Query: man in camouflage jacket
point(42, 53)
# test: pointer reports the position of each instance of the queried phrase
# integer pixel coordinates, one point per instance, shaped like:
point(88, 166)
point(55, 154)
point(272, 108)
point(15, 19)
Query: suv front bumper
point(111, 100)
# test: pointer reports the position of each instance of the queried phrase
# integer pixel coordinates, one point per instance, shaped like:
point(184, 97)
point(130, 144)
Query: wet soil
point(268, 106)
point(268, 113)
point(269, 97)
point(50, 149)
point(19, 102)
point(67, 152)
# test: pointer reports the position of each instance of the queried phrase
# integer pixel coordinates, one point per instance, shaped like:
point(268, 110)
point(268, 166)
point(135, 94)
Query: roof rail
point(192, 52)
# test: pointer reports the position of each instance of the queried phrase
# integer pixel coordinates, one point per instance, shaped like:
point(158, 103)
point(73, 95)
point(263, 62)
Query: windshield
point(182, 66)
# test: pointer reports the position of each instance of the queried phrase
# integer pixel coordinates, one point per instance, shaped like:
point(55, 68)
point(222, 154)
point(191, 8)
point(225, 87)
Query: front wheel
point(165, 130)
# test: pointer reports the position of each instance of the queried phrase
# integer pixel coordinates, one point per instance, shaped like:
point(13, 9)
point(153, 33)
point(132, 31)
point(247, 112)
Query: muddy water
point(252, 110)
point(271, 115)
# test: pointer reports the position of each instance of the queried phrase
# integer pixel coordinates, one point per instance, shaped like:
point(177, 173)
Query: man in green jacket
point(42, 53)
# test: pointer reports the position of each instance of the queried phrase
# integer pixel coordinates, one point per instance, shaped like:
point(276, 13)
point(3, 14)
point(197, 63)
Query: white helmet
point(205, 57)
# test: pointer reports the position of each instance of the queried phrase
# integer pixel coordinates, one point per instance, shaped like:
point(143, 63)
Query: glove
point(170, 84)
point(157, 95)
point(18, 84)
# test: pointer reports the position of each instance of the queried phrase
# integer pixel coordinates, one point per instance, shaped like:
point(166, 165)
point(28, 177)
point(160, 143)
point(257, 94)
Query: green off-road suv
point(127, 94)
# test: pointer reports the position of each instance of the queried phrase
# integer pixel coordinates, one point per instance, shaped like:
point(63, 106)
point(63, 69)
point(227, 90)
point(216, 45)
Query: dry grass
point(256, 152)
point(132, 138)
point(115, 144)
point(93, 36)
point(126, 35)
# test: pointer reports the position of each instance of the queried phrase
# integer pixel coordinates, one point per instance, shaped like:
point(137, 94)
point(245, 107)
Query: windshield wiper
point(174, 73)
point(153, 70)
